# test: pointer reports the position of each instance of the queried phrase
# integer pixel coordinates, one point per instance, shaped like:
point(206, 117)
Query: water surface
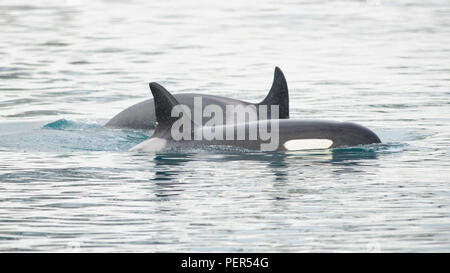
point(68, 184)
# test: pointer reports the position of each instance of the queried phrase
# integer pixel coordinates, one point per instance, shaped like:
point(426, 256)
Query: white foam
point(307, 144)
point(150, 145)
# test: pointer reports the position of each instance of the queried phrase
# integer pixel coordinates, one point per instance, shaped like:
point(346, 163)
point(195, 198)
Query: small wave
point(64, 124)
point(71, 136)
point(37, 113)
point(14, 75)
point(395, 135)
point(15, 102)
point(55, 43)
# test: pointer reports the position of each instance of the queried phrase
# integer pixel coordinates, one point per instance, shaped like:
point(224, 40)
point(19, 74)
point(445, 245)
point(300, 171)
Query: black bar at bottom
point(217, 262)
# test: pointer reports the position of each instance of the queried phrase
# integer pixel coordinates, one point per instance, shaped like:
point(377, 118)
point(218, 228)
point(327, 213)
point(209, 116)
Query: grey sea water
point(68, 184)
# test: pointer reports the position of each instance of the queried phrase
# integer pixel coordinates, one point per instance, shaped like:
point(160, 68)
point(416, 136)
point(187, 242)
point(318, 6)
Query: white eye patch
point(307, 144)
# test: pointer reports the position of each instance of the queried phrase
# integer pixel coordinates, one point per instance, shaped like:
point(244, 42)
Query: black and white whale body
point(142, 115)
point(285, 134)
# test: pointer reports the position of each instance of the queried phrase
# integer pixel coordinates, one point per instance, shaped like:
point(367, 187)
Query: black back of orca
point(142, 115)
point(289, 135)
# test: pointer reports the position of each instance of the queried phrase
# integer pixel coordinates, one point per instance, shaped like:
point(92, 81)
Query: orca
point(290, 134)
point(142, 115)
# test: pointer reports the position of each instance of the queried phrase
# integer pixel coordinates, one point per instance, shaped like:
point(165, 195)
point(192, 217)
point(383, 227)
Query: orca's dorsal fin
point(278, 94)
point(164, 102)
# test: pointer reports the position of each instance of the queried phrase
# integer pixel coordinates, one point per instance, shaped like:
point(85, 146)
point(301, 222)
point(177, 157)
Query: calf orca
point(286, 134)
point(142, 115)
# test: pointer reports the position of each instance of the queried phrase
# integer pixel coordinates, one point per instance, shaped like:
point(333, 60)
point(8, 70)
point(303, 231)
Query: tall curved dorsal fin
point(164, 102)
point(278, 94)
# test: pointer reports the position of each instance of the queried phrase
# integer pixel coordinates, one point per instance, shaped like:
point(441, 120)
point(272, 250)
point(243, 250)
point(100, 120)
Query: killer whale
point(292, 134)
point(142, 115)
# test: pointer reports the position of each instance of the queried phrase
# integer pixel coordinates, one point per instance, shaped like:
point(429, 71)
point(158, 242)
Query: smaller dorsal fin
point(164, 102)
point(278, 94)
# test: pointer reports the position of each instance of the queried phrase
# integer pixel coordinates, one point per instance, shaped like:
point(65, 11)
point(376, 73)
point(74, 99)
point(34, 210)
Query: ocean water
point(68, 184)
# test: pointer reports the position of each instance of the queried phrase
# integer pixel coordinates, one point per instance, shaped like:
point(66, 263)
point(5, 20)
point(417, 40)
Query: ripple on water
point(38, 113)
point(67, 135)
